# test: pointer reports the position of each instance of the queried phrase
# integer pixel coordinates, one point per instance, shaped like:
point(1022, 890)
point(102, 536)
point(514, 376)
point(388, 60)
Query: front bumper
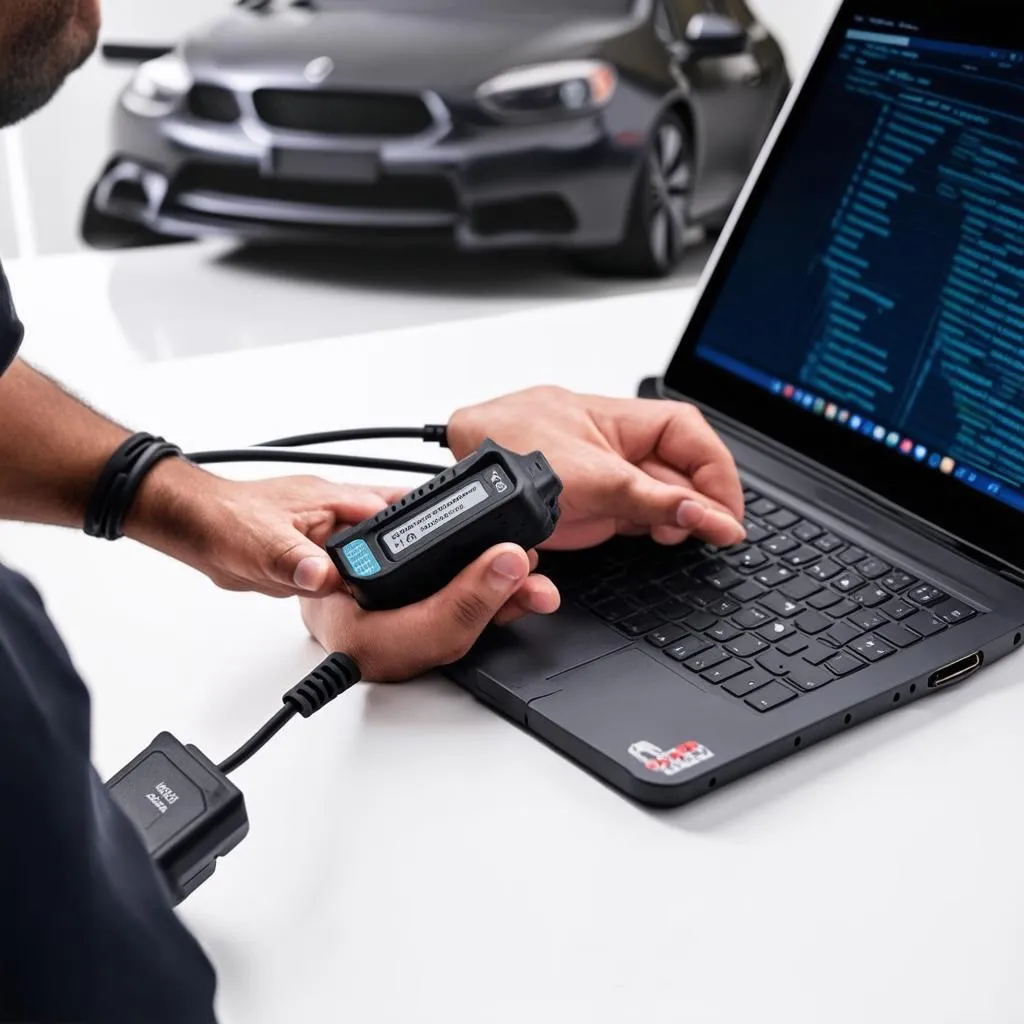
point(566, 184)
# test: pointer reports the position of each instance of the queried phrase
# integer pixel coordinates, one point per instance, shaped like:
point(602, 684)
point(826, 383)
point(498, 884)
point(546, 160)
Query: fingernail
point(690, 514)
point(508, 567)
point(309, 573)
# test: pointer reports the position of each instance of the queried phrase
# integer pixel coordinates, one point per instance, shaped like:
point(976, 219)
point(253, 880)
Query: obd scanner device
point(420, 544)
point(184, 807)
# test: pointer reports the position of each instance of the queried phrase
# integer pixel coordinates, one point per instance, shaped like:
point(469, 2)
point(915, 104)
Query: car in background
point(604, 127)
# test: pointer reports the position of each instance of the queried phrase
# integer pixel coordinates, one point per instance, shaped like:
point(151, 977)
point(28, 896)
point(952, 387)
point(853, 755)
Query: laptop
point(859, 344)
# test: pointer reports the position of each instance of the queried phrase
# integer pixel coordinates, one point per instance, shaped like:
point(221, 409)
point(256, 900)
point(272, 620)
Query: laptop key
point(750, 495)
point(723, 607)
point(723, 579)
point(687, 648)
point(870, 596)
point(781, 605)
point(793, 645)
point(774, 575)
point(777, 631)
point(802, 556)
point(615, 609)
point(672, 610)
point(779, 544)
point(812, 622)
point(752, 558)
point(842, 633)
point(867, 619)
point(640, 623)
point(954, 612)
point(829, 543)
point(755, 531)
point(723, 631)
point(848, 582)
point(845, 607)
point(702, 596)
point(665, 635)
point(808, 678)
point(843, 664)
point(924, 623)
point(897, 581)
point(926, 594)
point(897, 635)
point(873, 568)
point(806, 531)
point(825, 569)
point(782, 519)
point(748, 591)
point(761, 507)
point(826, 599)
point(871, 648)
point(747, 682)
point(851, 556)
point(746, 646)
point(698, 621)
point(725, 670)
point(770, 696)
point(776, 664)
point(751, 618)
point(817, 653)
point(799, 589)
point(706, 659)
point(898, 609)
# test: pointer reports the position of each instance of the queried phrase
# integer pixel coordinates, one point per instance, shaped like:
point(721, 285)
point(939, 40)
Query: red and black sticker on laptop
point(670, 762)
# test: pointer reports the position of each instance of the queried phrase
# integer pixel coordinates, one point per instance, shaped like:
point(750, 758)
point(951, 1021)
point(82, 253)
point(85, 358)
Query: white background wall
point(47, 164)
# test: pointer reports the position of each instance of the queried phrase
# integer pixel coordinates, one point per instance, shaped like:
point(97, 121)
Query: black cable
point(430, 433)
point(258, 740)
point(331, 678)
point(312, 458)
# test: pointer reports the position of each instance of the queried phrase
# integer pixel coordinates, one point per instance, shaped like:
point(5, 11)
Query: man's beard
point(35, 63)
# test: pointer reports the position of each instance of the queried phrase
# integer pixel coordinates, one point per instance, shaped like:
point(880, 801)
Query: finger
point(689, 444)
point(639, 498)
point(537, 596)
point(669, 536)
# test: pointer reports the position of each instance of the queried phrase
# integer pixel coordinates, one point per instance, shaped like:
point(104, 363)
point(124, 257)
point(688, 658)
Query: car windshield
point(602, 8)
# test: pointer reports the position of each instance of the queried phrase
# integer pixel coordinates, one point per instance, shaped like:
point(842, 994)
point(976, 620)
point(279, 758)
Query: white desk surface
point(415, 858)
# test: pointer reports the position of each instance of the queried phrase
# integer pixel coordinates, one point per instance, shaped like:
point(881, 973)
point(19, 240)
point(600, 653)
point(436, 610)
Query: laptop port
point(956, 671)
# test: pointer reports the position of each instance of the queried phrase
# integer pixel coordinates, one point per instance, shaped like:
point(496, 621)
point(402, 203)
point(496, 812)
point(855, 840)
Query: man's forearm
point(52, 449)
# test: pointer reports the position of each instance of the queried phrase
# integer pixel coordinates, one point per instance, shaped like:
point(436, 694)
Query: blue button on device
point(360, 559)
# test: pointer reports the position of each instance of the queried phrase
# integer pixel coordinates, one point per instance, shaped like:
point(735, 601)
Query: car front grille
point(213, 103)
point(343, 113)
point(409, 192)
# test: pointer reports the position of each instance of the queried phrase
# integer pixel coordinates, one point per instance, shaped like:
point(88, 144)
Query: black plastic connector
point(186, 810)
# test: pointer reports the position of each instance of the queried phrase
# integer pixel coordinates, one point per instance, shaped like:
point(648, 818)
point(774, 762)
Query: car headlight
point(158, 86)
point(563, 89)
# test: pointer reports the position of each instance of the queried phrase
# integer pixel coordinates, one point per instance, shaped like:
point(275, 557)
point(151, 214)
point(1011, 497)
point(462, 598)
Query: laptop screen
point(873, 293)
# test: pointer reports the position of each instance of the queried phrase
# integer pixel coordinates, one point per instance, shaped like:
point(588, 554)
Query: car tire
point(101, 230)
point(659, 214)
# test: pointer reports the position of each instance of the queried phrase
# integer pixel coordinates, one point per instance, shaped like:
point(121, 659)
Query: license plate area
point(316, 165)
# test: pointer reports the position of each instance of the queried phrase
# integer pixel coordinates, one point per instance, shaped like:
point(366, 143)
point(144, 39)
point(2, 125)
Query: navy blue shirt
point(87, 934)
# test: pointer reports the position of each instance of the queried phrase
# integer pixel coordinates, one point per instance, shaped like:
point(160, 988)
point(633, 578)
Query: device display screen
point(450, 508)
point(870, 311)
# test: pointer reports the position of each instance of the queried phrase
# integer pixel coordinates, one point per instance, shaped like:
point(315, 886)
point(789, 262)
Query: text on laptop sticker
point(670, 762)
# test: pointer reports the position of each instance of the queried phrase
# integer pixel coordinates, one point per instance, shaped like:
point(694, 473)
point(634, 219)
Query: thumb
point(451, 621)
point(305, 568)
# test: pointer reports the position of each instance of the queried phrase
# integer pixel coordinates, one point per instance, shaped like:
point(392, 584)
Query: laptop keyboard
point(792, 610)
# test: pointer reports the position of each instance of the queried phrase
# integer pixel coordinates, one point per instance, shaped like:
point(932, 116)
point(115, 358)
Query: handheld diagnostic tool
point(417, 546)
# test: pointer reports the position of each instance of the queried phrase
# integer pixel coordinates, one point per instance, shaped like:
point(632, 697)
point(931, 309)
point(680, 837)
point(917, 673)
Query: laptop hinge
point(656, 388)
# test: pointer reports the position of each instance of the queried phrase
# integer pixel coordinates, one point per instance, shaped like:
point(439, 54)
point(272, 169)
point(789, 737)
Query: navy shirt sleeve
point(87, 934)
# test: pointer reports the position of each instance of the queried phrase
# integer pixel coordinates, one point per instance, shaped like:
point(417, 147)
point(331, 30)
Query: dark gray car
point(605, 127)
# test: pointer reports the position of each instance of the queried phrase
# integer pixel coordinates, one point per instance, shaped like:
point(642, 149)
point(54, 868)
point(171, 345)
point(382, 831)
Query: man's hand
point(265, 536)
point(628, 465)
point(395, 645)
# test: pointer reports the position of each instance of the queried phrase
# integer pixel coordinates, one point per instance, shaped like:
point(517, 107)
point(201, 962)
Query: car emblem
point(319, 69)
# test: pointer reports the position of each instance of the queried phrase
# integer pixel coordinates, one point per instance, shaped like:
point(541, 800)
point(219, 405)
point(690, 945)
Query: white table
point(415, 858)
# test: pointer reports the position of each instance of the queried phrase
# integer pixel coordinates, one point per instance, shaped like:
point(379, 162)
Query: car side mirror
point(714, 35)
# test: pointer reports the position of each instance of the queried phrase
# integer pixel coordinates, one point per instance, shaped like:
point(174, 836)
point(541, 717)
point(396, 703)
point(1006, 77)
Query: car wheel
point(659, 214)
point(101, 230)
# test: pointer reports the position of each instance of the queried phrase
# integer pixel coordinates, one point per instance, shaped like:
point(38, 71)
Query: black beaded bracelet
point(120, 481)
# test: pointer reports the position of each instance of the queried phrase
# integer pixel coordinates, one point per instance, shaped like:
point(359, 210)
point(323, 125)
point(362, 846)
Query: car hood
point(383, 50)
